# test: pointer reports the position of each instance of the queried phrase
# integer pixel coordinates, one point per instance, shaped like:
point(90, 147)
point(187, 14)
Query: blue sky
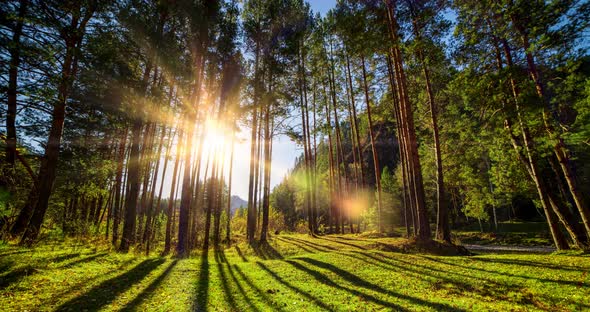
point(284, 150)
point(322, 6)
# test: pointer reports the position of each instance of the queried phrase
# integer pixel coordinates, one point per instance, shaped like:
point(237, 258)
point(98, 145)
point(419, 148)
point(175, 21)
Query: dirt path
point(510, 249)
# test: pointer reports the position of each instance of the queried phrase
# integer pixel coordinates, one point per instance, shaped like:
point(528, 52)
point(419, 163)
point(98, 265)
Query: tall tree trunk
point(443, 232)
point(332, 181)
point(355, 123)
point(267, 163)
point(304, 128)
point(14, 50)
point(559, 148)
point(228, 211)
point(172, 198)
point(211, 194)
point(373, 147)
point(315, 208)
point(258, 179)
point(119, 185)
point(218, 199)
point(407, 214)
point(156, 225)
point(133, 193)
point(39, 196)
point(186, 195)
point(147, 234)
point(532, 167)
point(191, 112)
point(146, 160)
point(423, 231)
point(353, 142)
point(342, 185)
point(251, 222)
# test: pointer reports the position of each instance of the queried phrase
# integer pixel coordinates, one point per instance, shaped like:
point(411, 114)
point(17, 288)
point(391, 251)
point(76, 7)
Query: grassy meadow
point(291, 273)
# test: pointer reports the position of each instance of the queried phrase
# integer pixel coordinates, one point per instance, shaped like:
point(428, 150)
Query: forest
point(295, 155)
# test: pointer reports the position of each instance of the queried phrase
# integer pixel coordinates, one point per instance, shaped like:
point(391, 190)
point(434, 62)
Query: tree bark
point(172, 197)
point(267, 163)
point(118, 185)
point(423, 231)
point(39, 196)
point(373, 147)
point(14, 50)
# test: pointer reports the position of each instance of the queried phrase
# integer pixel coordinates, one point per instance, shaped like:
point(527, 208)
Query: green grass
point(292, 273)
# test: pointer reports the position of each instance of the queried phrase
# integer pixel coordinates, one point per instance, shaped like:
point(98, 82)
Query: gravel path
point(510, 249)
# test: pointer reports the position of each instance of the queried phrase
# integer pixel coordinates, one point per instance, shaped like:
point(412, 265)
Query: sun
point(217, 139)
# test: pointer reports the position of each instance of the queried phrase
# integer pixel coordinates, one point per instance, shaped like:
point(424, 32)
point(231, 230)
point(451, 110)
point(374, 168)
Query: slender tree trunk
point(267, 163)
point(211, 193)
point(532, 167)
point(156, 226)
point(183, 247)
point(251, 222)
point(251, 218)
point(304, 128)
point(373, 147)
point(147, 234)
point(560, 149)
point(172, 198)
point(315, 207)
point(231, 167)
point(258, 179)
point(355, 124)
point(342, 185)
point(146, 164)
point(331, 207)
point(119, 185)
point(14, 50)
point(401, 146)
point(353, 142)
point(443, 232)
point(407, 115)
point(186, 196)
point(133, 181)
point(218, 199)
point(41, 191)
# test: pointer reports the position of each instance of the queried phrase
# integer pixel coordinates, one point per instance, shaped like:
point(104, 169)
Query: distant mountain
point(237, 202)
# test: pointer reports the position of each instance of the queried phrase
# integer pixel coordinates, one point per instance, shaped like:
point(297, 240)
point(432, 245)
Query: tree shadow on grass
point(306, 294)
point(202, 296)
point(148, 291)
point(241, 254)
point(464, 284)
point(324, 279)
point(358, 281)
point(453, 282)
point(104, 293)
point(265, 251)
point(16, 275)
point(316, 246)
point(237, 283)
point(540, 279)
point(220, 260)
point(14, 252)
point(335, 240)
point(83, 260)
point(261, 293)
point(301, 246)
point(63, 258)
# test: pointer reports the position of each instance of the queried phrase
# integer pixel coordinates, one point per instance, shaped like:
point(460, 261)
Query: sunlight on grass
point(291, 273)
